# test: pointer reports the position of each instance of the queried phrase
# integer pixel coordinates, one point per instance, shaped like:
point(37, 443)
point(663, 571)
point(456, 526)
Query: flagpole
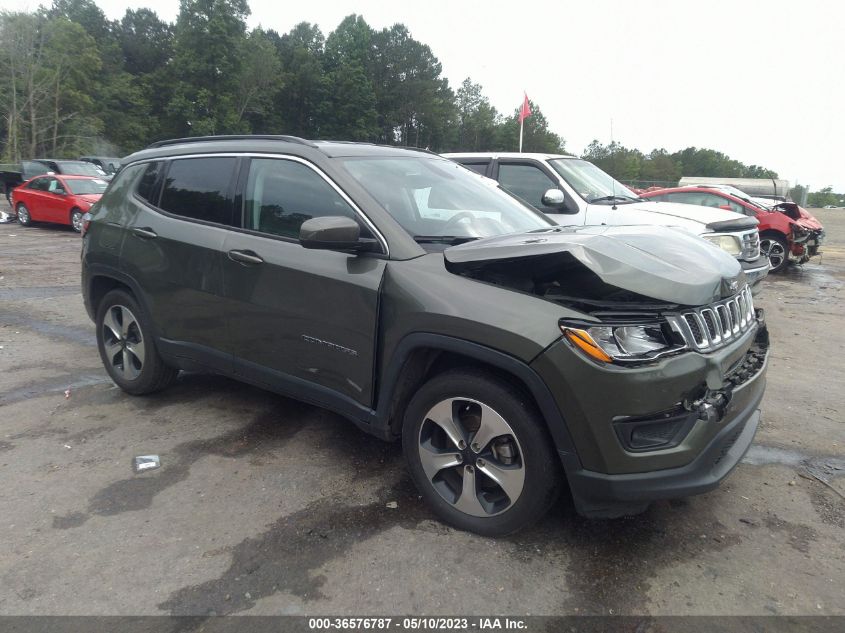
point(521, 123)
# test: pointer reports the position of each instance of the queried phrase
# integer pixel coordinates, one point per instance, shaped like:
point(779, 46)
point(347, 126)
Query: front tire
point(24, 217)
point(775, 248)
point(479, 453)
point(127, 348)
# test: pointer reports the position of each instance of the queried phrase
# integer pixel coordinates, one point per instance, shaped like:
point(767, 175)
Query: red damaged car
point(57, 199)
point(788, 233)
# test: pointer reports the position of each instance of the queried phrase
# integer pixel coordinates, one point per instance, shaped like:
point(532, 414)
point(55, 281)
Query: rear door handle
point(245, 257)
point(146, 233)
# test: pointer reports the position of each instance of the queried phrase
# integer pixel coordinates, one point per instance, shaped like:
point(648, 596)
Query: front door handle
point(245, 257)
point(146, 233)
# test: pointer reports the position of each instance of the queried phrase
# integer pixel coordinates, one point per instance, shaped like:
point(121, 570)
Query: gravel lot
point(267, 506)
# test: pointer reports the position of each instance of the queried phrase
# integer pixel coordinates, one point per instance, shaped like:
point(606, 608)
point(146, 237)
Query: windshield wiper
point(443, 239)
point(611, 198)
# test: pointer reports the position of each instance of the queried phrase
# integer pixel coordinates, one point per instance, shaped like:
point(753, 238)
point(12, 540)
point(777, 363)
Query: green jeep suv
point(419, 300)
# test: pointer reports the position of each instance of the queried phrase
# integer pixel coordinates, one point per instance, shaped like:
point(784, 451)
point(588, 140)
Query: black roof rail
point(233, 137)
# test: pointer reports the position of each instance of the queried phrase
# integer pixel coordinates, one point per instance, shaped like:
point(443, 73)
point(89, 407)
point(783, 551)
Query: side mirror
point(333, 232)
point(553, 198)
point(726, 207)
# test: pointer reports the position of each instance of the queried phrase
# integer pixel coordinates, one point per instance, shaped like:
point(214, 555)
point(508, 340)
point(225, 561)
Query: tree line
point(660, 168)
point(74, 82)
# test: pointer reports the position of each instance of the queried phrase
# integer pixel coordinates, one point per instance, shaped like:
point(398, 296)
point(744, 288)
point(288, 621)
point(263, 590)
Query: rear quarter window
point(149, 184)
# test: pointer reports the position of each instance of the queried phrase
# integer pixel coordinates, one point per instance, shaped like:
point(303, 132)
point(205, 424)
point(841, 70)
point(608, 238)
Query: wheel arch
point(101, 280)
point(420, 356)
point(774, 233)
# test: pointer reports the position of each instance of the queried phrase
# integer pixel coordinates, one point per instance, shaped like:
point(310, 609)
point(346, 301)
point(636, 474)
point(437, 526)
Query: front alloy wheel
point(24, 219)
point(479, 452)
point(775, 250)
point(471, 457)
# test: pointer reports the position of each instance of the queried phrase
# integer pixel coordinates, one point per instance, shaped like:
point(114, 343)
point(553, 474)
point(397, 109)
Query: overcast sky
point(763, 82)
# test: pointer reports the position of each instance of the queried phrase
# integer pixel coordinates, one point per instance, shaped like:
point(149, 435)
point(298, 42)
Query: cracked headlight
point(624, 343)
point(731, 244)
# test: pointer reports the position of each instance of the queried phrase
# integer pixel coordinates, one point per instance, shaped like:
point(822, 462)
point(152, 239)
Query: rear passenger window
point(199, 188)
point(148, 185)
point(282, 194)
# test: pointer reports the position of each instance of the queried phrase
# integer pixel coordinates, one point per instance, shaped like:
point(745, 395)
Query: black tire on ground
point(536, 452)
point(24, 219)
point(142, 370)
point(776, 249)
point(76, 219)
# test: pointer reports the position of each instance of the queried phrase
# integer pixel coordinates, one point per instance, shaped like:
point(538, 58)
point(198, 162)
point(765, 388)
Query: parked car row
point(57, 199)
point(14, 175)
point(573, 191)
point(788, 233)
point(569, 190)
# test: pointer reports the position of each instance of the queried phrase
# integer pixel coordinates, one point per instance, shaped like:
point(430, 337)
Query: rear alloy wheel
point(23, 215)
point(76, 220)
point(479, 453)
point(126, 347)
point(775, 249)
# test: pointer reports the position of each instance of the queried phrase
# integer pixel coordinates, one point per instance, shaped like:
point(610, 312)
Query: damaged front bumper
point(671, 429)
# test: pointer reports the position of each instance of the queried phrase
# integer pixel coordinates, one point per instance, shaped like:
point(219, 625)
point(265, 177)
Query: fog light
point(657, 432)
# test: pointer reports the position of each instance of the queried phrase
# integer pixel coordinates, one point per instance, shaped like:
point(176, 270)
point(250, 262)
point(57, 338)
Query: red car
point(788, 233)
point(57, 199)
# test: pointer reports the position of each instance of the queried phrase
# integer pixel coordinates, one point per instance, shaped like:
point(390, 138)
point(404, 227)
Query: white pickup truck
point(573, 191)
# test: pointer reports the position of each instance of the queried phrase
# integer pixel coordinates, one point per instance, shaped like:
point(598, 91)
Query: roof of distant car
point(534, 155)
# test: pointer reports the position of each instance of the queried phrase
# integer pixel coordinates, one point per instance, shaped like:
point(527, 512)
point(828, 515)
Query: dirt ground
point(267, 506)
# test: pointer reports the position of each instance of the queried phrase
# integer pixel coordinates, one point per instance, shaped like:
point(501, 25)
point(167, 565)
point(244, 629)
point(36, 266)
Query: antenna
point(612, 150)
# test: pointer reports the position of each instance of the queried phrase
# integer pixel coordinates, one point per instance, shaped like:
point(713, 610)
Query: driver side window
point(527, 182)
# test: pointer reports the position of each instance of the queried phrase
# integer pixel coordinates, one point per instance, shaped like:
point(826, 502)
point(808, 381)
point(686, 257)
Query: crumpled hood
point(799, 214)
point(659, 262)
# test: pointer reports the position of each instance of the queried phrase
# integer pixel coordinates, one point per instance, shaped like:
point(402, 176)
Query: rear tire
point(24, 217)
point(127, 348)
point(479, 453)
point(76, 220)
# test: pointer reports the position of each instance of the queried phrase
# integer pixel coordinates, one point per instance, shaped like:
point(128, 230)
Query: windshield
point(80, 169)
point(432, 198)
point(84, 186)
point(591, 183)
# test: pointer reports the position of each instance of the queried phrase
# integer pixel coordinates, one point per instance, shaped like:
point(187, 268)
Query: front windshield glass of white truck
point(591, 183)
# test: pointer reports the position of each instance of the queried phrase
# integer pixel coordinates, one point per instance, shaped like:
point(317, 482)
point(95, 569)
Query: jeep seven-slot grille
point(711, 327)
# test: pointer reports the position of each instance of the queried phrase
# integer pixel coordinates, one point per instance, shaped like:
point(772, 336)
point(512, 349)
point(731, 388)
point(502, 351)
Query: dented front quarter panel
point(419, 295)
